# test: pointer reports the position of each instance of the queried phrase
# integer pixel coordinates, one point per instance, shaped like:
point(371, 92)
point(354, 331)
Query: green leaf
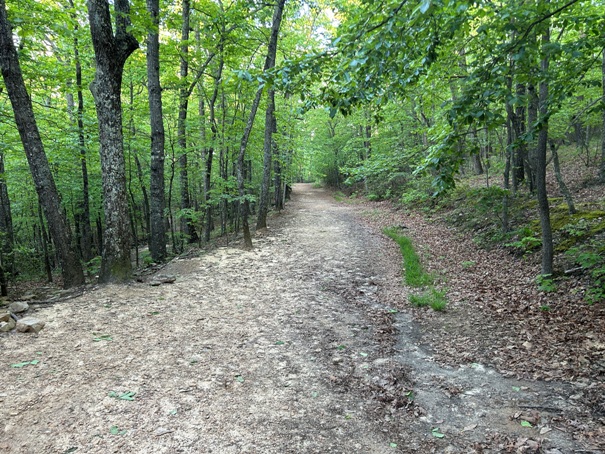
point(526, 424)
point(279, 343)
point(363, 354)
point(239, 378)
point(393, 445)
point(516, 389)
point(114, 430)
point(25, 363)
point(103, 337)
point(436, 433)
point(129, 395)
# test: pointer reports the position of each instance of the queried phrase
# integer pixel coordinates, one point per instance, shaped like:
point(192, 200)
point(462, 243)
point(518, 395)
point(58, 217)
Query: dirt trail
point(292, 347)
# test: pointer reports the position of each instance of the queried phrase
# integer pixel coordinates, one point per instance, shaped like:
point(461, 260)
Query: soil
point(306, 344)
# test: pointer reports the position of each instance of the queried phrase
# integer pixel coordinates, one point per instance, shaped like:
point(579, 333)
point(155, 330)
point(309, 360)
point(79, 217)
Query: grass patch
point(415, 276)
point(339, 196)
point(432, 297)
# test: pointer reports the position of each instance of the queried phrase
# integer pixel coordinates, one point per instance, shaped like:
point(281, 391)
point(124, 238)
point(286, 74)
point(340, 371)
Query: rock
point(166, 278)
point(155, 283)
point(30, 325)
point(5, 316)
point(5, 327)
point(18, 306)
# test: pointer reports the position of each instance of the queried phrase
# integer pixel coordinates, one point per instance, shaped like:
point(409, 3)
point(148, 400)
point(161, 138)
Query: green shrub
point(591, 257)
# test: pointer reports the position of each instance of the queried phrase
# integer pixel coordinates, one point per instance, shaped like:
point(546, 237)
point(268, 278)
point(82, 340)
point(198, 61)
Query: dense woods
point(140, 128)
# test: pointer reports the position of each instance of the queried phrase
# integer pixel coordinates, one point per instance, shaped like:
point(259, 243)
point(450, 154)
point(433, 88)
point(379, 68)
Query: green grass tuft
point(415, 276)
point(432, 297)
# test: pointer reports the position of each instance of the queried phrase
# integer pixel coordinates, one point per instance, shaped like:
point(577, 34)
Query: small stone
point(30, 325)
point(162, 431)
point(166, 278)
point(18, 306)
point(5, 316)
point(155, 283)
point(5, 327)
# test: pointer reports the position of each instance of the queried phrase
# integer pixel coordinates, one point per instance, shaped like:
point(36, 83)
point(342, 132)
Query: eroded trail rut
point(288, 348)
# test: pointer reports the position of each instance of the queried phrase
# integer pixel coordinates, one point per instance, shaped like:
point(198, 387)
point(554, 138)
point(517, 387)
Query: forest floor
point(308, 343)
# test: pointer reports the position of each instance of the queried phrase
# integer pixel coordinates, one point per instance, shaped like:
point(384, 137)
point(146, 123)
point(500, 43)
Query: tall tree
point(157, 243)
point(540, 159)
point(188, 227)
point(111, 53)
point(602, 169)
point(6, 231)
point(269, 63)
point(84, 215)
point(270, 128)
point(34, 149)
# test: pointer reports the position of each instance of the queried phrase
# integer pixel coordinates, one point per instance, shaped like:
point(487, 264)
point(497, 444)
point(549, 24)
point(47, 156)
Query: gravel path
point(292, 347)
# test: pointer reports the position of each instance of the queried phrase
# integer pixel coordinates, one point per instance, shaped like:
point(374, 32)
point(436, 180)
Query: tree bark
point(270, 128)
point(187, 226)
point(520, 151)
point(85, 236)
point(111, 53)
point(34, 149)
point(532, 118)
point(571, 208)
point(602, 166)
point(540, 160)
point(6, 233)
point(157, 241)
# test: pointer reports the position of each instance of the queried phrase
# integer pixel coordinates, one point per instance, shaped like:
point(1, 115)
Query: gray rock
point(6, 326)
point(30, 325)
point(18, 306)
point(166, 278)
point(5, 316)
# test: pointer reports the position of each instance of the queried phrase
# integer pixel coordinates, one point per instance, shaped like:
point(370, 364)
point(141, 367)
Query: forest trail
point(292, 347)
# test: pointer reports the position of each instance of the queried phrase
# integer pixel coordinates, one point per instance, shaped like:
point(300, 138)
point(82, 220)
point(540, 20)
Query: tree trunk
point(520, 151)
point(602, 166)
point(187, 226)
point(532, 118)
point(6, 233)
point(111, 53)
point(34, 149)
point(157, 224)
point(270, 128)
point(540, 160)
point(269, 63)
point(562, 186)
point(85, 237)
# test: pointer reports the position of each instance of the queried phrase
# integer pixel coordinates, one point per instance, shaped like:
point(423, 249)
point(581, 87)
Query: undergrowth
point(577, 237)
